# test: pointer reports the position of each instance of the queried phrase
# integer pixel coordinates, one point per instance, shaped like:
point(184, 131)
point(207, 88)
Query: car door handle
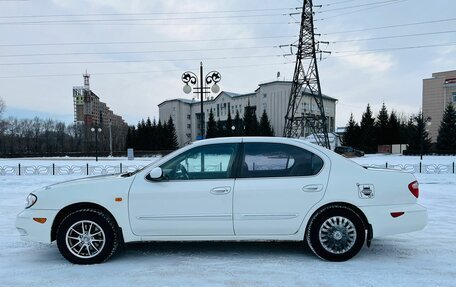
point(313, 188)
point(221, 190)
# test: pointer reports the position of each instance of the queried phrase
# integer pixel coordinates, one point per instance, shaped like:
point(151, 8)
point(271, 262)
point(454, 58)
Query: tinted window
point(205, 162)
point(278, 160)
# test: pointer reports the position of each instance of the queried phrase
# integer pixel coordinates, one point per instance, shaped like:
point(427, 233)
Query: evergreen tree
point(381, 126)
point(148, 123)
point(265, 128)
point(160, 139)
point(221, 131)
point(141, 144)
point(250, 122)
point(148, 135)
point(211, 130)
point(446, 140)
point(410, 131)
point(404, 132)
point(238, 125)
point(172, 143)
point(368, 141)
point(154, 137)
point(394, 129)
point(130, 140)
point(352, 136)
point(419, 137)
point(229, 125)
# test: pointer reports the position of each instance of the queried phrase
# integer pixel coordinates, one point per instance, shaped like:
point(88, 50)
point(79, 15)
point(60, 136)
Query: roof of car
point(260, 139)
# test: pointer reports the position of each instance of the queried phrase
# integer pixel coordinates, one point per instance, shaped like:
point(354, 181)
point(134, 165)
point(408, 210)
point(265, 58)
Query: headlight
point(30, 201)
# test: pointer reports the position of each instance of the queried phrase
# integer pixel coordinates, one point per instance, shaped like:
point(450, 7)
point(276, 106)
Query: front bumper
point(413, 219)
point(31, 230)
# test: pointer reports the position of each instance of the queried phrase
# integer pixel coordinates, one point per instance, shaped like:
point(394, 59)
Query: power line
point(161, 24)
point(391, 26)
point(143, 42)
point(209, 49)
point(136, 52)
point(140, 72)
point(392, 37)
point(110, 21)
point(136, 61)
point(357, 6)
point(337, 3)
point(371, 51)
point(148, 13)
point(360, 10)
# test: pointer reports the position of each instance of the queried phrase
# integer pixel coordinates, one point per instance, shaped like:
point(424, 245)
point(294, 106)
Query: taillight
point(414, 188)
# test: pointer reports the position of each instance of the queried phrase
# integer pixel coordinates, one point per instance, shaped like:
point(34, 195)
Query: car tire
point(336, 233)
point(87, 236)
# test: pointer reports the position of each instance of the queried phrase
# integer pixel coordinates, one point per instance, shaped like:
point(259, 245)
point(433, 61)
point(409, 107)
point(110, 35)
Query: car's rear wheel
point(336, 233)
point(87, 236)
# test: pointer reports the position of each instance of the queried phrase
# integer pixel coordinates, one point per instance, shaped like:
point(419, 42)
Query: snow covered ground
point(424, 258)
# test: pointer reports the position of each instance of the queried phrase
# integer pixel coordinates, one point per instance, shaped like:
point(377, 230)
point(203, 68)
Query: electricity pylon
point(306, 82)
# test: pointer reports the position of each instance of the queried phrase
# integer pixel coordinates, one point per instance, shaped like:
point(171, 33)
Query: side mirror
point(156, 173)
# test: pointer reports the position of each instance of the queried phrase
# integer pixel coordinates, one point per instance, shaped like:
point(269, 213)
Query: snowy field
point(424, 258)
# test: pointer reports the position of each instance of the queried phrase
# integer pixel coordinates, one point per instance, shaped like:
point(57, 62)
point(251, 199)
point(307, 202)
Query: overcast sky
point(241, 46)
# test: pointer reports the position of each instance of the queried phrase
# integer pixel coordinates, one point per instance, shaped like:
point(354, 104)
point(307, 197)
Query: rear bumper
point(31, 230)
point(383, 223)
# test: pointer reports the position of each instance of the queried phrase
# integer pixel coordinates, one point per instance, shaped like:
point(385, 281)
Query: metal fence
point(88, 169)
point(67, 169)
point(418, 167)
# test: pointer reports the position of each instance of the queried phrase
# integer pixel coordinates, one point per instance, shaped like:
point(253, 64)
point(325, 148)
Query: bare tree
point(2, 125)
point(2, 107)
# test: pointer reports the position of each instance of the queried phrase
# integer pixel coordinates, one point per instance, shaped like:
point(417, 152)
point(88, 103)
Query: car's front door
point(277, 185)
point(194, 197)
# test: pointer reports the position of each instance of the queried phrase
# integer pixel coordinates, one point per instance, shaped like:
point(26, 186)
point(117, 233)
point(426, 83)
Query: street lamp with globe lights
point(96, 130)
point(205, 84)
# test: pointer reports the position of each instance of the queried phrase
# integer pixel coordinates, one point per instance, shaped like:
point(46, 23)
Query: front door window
point(206, 162)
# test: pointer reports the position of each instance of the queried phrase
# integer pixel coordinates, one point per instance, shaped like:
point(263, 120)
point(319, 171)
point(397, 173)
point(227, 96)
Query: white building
point(271, 96)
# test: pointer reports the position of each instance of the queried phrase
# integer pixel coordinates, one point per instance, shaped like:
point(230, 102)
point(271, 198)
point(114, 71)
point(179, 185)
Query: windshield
point(166, 157)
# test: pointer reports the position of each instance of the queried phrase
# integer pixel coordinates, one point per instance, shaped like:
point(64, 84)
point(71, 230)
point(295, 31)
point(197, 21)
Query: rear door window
point(278, 160)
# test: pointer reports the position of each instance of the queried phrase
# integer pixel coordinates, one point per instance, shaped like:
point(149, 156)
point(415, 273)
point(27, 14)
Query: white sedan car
point(251, 188)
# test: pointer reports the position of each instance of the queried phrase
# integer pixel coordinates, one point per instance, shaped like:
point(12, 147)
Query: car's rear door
point(277, 184)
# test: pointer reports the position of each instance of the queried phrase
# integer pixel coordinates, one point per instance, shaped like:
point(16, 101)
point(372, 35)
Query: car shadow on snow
point(381, 249)
point(217, 249)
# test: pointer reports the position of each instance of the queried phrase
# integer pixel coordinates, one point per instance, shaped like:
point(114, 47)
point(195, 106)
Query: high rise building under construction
point(90, 111)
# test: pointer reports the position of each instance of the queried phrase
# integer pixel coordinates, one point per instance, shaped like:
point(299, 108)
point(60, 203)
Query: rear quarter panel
point(390, 189)
point(389, 186)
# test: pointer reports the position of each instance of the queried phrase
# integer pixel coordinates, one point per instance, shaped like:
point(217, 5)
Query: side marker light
point(40, 219)
point(397, 214)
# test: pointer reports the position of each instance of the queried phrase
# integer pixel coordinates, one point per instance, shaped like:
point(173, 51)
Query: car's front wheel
point(87, 236)
point(336, 233)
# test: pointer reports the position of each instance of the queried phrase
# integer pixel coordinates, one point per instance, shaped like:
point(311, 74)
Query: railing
point(87, 169)
point(66, 169)
point(418, 167)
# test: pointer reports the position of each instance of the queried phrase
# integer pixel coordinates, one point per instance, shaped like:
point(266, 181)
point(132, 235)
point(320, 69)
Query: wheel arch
point(78, 206)
point(350, 206)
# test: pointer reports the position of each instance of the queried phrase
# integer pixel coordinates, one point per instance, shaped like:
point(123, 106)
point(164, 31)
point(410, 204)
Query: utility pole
point(306, 82)
point(110, 137)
